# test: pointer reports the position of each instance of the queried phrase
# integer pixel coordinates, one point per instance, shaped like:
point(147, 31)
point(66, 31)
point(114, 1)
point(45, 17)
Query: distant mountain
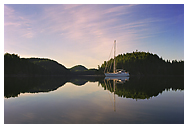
point(82, 70)
point(78, 68)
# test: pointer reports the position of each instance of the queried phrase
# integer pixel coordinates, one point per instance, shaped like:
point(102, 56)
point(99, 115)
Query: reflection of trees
point(136, 88)
point(146, 87)
point(13, 86)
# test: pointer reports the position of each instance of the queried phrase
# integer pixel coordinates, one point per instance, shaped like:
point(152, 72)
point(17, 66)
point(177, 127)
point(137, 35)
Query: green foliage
point(145, 63)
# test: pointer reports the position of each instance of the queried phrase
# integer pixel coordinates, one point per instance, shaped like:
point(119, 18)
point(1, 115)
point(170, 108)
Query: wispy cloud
point(16, 23)
point(74, 22)
point(84, 22)
point(92, 26)
point(83, 28)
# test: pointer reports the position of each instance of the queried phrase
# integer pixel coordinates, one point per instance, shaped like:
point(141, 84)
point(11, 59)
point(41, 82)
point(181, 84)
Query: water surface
point(85, 100)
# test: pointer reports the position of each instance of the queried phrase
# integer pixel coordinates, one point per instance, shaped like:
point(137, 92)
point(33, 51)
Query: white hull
point(116, 74)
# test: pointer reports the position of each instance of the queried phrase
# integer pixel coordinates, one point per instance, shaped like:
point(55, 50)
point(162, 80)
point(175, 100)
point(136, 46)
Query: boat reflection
point(118, 79)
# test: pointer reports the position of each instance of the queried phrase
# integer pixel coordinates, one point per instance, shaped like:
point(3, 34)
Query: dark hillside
point(52, 66)
point(14, 65)
point(136, 63)
point(145, 63)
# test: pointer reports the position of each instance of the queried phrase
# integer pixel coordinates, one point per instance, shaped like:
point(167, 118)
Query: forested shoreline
point(145, 63)
point(22, 67)
point(136, 63)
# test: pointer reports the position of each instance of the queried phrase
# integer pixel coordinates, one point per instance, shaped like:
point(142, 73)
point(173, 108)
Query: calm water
point(94, 100)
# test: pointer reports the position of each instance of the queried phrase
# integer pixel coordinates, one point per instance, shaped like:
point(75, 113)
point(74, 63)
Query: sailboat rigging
point(118, 72)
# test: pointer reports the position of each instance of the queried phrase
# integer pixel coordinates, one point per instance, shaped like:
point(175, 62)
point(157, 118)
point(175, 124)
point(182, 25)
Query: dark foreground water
point(81, 100)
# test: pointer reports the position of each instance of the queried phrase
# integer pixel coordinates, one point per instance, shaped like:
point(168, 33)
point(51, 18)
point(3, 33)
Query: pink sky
point(84, 34)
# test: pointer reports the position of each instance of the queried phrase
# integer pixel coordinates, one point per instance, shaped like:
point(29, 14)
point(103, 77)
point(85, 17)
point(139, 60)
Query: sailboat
point(116, 72)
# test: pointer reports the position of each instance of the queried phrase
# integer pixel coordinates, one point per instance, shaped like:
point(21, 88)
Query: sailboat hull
point(116, 74)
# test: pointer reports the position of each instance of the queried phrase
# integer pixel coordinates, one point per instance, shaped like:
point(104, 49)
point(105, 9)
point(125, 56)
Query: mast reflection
point(115, 80)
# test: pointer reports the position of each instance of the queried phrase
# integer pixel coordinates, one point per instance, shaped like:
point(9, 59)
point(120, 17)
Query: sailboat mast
point(114, 55)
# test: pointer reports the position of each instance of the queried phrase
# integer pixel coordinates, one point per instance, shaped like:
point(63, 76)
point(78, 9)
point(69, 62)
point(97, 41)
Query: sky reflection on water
point(90, 103)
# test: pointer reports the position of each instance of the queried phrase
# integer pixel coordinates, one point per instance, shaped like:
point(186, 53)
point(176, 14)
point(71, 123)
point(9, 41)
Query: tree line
point(16, 66)
point(136, 63)
point(145, 63)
